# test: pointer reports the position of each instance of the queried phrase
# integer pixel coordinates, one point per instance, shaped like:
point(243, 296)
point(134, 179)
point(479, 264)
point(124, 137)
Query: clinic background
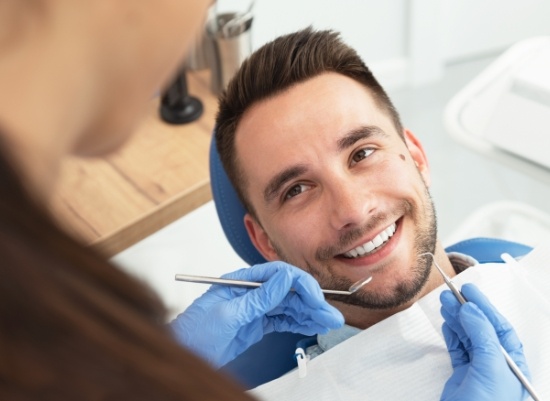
point(423, 52)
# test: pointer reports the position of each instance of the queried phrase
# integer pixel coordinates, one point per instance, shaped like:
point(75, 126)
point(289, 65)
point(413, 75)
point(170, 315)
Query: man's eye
point(295, 190)
point(362, 154)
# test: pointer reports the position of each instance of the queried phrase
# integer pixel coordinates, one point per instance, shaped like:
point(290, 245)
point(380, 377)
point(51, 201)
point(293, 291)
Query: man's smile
point(372, 245)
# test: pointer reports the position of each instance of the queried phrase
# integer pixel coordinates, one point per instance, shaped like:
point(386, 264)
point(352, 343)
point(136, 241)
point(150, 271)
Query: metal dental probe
point(242, 283)
point(515, 369)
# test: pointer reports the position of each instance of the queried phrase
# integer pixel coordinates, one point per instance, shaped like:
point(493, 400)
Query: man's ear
point(259, 238)
point(418, 155)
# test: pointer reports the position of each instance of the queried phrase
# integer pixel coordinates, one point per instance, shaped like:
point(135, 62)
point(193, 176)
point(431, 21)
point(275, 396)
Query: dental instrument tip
point(355, 287)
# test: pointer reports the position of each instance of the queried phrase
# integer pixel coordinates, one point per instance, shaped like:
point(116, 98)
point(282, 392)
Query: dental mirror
point(242, 283)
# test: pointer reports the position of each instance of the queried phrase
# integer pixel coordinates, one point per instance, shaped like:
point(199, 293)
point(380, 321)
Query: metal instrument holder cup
point(230, 34)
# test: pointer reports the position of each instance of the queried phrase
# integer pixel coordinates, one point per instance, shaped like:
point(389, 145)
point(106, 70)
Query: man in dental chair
point(335, 185)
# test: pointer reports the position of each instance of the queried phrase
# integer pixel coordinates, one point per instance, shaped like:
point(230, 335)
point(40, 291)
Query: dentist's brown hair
point(74, 327)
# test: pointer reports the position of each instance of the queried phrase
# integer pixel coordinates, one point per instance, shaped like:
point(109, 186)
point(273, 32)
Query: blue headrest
point(230, 210)
point(488, 250)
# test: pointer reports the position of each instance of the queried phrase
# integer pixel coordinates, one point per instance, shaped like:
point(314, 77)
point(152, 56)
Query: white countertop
point(194, 244)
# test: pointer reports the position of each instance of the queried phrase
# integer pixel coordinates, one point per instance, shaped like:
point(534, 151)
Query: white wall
point(477, 27)
point(376, 29)
point(373, 27)
point(405, 42)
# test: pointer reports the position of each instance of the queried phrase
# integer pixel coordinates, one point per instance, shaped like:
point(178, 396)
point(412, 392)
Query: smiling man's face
point(338, 193)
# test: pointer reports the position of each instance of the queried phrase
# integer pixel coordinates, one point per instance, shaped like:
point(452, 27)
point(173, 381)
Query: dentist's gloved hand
point(225, 321)
point(473, 332)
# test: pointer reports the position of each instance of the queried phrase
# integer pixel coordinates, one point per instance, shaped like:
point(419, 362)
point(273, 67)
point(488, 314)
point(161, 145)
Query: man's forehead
point(311, 94)
point(305, 106)
point(323, 109)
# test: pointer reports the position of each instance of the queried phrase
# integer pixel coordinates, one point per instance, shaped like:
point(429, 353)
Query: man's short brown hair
point(274, 68)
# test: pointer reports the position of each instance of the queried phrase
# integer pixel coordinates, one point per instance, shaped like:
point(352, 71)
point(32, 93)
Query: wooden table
point(160, 175)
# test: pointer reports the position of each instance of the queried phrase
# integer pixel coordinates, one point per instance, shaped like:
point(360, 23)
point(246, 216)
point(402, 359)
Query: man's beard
point(424, 241)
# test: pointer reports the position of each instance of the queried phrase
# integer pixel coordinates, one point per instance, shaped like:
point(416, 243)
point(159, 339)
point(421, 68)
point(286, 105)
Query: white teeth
point(369, 246)
point(373, 244)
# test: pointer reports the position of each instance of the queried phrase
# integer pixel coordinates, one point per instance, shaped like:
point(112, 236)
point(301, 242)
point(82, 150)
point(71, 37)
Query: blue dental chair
point(274, 356)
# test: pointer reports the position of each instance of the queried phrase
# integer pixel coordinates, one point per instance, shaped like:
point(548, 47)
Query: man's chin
point(383, 298)
point(373, 302)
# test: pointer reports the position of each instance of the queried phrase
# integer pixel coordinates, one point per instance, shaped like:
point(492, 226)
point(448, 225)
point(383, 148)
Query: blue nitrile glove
point(226, 321)
point(473, 332)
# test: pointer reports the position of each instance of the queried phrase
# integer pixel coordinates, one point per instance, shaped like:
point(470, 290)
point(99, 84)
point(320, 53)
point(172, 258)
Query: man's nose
point(350, 203)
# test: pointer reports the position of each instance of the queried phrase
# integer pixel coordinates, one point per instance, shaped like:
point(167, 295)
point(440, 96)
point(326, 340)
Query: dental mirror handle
point(238, 283)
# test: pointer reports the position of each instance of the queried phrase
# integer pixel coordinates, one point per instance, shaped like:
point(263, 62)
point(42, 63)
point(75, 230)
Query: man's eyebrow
point(355, 135)
point(275, 184)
